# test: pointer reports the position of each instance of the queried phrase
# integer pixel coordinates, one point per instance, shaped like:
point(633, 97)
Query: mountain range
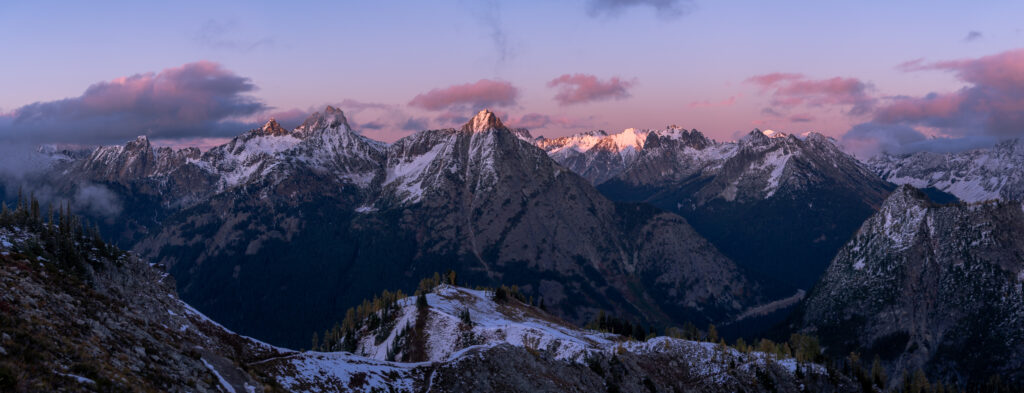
point(323, 217)
point(779, 205)
point(276, 233)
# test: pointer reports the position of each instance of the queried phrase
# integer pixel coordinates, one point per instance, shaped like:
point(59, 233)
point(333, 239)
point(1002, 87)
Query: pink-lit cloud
point(194, 100)
point(481, 94)
point(583, 88)
point(990, 108)
point(715, 104)
point(790, 91)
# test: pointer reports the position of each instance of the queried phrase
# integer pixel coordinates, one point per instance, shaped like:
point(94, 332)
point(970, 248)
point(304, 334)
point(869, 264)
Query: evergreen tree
point(712, 333)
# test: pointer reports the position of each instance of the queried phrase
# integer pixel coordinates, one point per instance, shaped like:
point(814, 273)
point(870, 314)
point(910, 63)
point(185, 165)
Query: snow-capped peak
point(773, 134)
point(483, 121)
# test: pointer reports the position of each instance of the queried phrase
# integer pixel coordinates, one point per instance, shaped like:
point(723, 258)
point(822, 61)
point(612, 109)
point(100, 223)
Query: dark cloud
point(973, 35)
point(196, 99)
point(668, 9)
point(468, 97)
point(801, 118)
point(584, 88)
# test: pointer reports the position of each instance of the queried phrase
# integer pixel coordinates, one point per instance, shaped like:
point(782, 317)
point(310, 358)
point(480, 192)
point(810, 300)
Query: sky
point(876, 75)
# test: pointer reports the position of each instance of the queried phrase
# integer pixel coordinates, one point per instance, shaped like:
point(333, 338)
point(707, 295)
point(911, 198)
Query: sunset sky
point(874, 74)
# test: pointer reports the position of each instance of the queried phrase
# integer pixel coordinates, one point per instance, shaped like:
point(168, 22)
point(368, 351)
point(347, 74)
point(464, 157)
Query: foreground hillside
point(935, 287)
point(79, 315)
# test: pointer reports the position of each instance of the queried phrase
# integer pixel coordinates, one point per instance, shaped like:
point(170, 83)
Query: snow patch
point(223, 382)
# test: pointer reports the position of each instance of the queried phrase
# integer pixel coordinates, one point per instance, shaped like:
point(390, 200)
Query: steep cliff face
point(929, 286)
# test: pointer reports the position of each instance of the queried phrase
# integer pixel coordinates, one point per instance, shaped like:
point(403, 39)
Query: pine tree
point(712, 333)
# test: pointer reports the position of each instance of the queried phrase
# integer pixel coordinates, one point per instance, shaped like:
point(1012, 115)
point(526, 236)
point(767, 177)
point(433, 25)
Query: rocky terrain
point(929, 286)
point(85, 316)
point(972, 176)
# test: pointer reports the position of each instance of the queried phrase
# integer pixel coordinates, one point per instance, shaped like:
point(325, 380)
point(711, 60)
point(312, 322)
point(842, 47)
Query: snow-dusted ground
point(496, 324)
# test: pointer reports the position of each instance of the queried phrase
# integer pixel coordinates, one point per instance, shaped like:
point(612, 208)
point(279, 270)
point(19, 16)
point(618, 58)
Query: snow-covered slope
point(595, 155)
point(530, 335)
point(972, 176)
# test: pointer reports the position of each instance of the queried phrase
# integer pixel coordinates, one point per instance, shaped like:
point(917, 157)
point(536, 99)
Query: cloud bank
point(988, 109)
point(193, 100)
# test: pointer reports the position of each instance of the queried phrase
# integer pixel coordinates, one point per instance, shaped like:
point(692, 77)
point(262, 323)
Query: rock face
point(929, 286)
point(777, 204)
point(972, 176)
point(114, 326)
point(322, 217)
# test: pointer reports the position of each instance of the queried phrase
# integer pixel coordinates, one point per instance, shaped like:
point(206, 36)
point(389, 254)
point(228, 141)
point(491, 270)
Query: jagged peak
point(483, 121)
point(140, 142)
point(331, 118)
point(272, 128)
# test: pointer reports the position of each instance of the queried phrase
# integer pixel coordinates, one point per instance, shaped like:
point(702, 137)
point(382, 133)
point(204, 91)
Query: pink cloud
point(795, 90)
point(1004, 69)
point(719, 104)
point(583, 88)
point(990, 108)
point(993, 104)
point(769, 80)
point(481, 94)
